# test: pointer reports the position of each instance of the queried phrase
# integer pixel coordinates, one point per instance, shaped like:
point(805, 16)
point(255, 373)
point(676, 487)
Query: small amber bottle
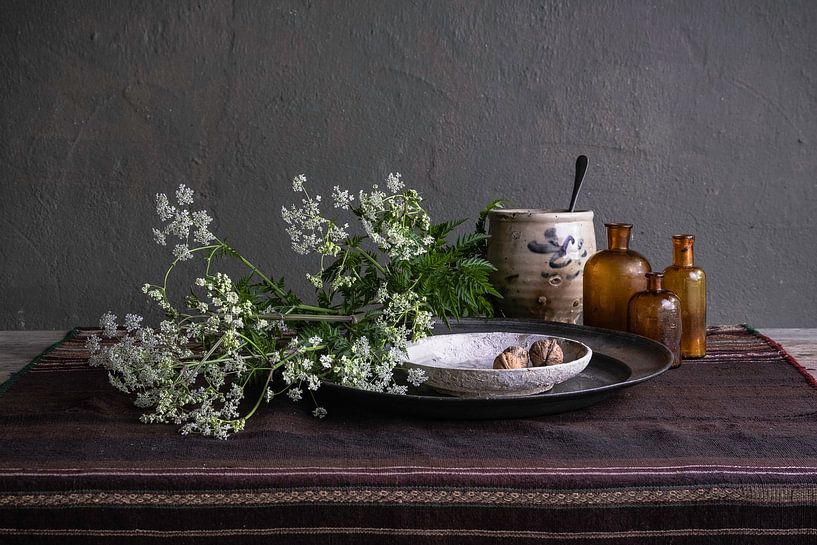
point(688, 282)
point(611, 278)
point(656, 313)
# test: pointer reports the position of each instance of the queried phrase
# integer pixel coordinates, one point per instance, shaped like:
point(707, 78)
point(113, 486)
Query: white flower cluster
point(298, 371)
point(396, 223)
point(342, 198)
point(228, 313)
point(408, 308)
point(305, 223)
point(193, 369)
point(416, 376)
point(201, 393)
point(107, 323)
point(157, 295)
point(394, 182)
point(180, 221)
point(310, 232)
point(369, 367)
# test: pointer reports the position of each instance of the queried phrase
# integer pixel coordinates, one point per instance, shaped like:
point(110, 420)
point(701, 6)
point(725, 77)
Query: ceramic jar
point(539, 256)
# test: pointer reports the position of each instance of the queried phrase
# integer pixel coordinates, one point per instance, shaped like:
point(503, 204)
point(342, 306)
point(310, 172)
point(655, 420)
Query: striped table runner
point(721, 450)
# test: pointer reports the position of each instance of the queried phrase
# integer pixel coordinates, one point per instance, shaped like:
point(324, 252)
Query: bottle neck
point(618, 236)
point(682, 254)
point(655, 282)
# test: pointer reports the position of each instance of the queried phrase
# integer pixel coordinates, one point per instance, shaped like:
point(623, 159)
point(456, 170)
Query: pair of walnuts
point(541, 353)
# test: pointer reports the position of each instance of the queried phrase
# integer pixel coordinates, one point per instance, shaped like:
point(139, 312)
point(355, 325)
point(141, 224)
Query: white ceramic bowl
point(462, 364)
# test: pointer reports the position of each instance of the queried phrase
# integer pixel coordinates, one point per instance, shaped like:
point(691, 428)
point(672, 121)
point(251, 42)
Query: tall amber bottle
point(611, 278)
point(656, 313)
point(688, 282)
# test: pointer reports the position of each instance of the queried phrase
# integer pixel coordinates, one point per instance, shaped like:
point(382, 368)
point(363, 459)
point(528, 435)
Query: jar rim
point(539, 213)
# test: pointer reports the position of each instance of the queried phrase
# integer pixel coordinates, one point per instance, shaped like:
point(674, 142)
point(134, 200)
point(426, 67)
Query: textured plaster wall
point(697, 117)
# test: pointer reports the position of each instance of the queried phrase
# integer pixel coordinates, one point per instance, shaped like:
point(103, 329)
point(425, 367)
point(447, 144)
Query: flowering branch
point(376, 290)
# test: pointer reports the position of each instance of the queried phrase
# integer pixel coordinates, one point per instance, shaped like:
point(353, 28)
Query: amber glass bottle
point(688, 282)
point(656, 313)
point(611, 278)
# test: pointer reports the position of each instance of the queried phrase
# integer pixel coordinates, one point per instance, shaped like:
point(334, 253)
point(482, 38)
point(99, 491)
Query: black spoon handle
point(581, 168)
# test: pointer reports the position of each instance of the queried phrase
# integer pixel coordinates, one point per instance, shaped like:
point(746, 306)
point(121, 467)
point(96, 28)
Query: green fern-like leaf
point(494, 204)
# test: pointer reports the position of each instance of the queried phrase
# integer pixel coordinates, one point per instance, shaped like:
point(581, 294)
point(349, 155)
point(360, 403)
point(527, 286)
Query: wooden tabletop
point(18, 348)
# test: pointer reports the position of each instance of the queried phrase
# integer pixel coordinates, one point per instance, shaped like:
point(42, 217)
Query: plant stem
point(260, 351)
point(176, 261)
point(278, 291)
point(261, 396)
point(321, 310)
point(310, 318)
point(377, 265)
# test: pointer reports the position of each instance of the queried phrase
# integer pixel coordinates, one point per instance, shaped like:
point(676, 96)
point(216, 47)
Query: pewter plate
point(620, 360)
point(461, 364)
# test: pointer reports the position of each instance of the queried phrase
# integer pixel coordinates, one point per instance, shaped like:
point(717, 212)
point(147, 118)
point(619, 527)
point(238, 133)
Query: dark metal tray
point(619, 360)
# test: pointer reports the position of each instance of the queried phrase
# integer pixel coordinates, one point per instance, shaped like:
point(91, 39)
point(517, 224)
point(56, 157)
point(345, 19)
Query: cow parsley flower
point(326, 360)
point(201, 219)
point(108, 324)
point(306, 225)
point(132, 322)
point(184, 195)
point(295, 394)
point(179, 222)
point(92, 344)
point(182, 252)
point(315, 280)
point(163, 208)
point(394, 183)
point(416, 376)
point(372, 292)
point(159, 237)
point(341, 197)
point(398, 389)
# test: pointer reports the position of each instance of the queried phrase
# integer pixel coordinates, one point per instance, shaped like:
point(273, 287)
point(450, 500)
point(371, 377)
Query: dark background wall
point(697, 117)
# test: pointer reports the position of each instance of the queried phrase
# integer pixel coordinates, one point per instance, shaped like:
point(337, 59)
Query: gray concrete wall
point(697, 117)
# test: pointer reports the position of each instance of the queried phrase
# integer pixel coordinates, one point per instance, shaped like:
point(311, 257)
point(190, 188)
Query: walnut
point(513, 357)
point(546, 352)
